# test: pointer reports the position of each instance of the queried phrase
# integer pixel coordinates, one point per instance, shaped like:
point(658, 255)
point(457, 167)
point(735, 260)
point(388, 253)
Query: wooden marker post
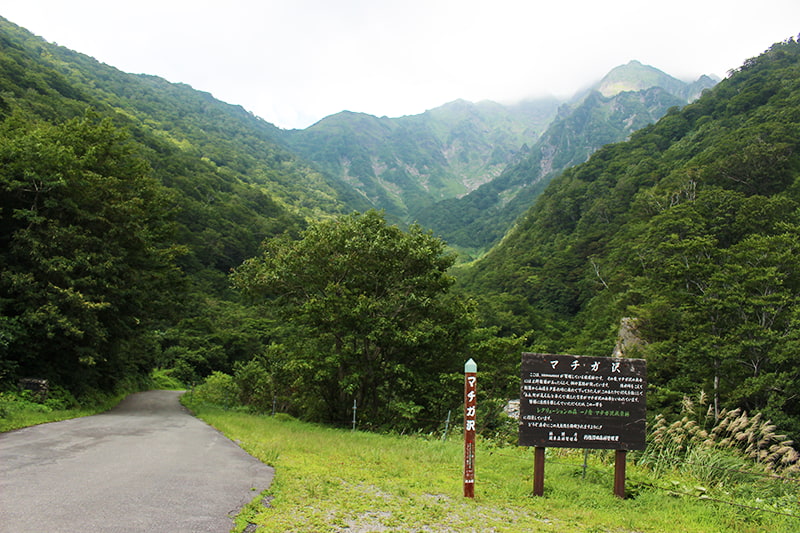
point(470, 406)
point(538, 471)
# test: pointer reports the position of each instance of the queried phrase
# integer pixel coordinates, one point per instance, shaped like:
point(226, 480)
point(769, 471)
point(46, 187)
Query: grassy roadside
point(16, 412)
point(338, 480)
point(19, 410)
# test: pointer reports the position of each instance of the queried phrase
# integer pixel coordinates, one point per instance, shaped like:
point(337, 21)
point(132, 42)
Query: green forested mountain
point(100, 170)
point(628, 98)
point(691, 228)
point(404, 165)
point(468, 170)
point(635, 76)
point(224, 135)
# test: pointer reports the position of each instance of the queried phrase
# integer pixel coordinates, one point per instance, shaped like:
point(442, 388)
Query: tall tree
point(84, 250)
point(371, 315)
point(719, 276)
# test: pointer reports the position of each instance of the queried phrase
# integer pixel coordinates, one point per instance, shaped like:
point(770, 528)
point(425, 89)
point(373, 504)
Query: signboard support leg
point(619, 473)
point(538, 471)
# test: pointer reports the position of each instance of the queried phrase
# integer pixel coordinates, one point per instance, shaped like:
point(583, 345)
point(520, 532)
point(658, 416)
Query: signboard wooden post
point(571, 401)
point(470, 405)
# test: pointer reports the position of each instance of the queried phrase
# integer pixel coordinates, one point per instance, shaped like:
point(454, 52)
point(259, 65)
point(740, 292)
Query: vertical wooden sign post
point(470, 405)
point(538, 471)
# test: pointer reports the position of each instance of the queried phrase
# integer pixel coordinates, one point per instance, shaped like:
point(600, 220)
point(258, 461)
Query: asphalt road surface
point(147, 465)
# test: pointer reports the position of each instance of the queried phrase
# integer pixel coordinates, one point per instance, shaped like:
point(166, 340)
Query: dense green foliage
point(368, 318)
point(126, 202)
point(692, 227)
point(87, 257)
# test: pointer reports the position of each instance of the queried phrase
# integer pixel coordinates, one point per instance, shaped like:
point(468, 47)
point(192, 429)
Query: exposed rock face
point(628, 338)
point(512, 409)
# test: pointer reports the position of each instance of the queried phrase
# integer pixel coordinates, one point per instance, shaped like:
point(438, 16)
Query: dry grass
point(735, 430)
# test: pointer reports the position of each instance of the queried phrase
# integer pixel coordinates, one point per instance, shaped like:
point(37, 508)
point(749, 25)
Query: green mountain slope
point(405, 164)
point(692, 227)
point(635, 96)
point(225, 134)
point(126, 200)
point(221, 158)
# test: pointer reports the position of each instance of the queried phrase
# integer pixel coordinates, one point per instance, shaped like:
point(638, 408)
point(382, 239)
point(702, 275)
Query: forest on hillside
point(126, 201)
point(691, 229)
point(146, 225)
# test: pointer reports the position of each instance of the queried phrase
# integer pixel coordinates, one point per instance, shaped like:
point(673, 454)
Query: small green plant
point(283, 417)
point(18, 408)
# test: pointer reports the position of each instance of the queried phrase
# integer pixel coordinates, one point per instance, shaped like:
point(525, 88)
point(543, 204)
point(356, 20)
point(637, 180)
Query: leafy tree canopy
point(370, 314)
point(87, 256)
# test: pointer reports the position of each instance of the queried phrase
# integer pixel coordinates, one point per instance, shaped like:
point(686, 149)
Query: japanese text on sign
point(582, 402)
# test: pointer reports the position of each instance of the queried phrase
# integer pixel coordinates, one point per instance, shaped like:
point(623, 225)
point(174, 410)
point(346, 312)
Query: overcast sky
point(293, 62)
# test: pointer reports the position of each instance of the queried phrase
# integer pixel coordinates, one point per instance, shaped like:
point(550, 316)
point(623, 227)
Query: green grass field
point(338, 480)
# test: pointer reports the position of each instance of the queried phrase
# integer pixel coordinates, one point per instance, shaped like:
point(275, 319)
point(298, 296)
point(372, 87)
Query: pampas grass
point(749, 436)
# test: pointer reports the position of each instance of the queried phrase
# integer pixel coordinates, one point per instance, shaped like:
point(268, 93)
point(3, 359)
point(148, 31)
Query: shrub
point(165, 379)
point(735, 432)
point(218, 389)
point(254, 385)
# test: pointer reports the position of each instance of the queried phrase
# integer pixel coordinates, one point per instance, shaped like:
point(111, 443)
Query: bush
point(734, 437)
point(218, 389)
point(165, 379)
point(254, 385)
point(61, 398)
point(13, 403)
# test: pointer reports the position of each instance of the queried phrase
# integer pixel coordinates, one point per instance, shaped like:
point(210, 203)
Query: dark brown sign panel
point(571, 401)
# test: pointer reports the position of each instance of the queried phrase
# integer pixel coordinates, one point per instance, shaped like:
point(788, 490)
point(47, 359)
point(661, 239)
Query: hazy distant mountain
point(407, 163)
point(628, 98)
point(467, 170)
point(634, 76)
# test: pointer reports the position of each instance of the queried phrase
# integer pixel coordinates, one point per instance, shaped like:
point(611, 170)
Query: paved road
point(145, 466)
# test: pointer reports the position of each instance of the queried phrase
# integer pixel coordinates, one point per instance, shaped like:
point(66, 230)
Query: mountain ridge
point(400, 164)
point(428, 167)
point(589, 122)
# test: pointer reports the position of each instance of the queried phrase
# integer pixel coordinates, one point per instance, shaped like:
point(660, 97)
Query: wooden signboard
point(571, 401)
